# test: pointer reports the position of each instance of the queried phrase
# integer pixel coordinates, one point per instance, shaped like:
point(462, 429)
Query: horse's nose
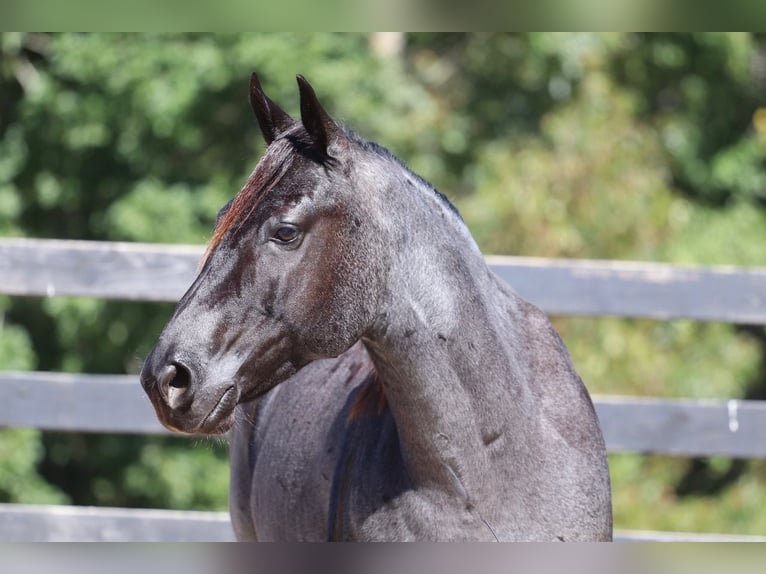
point(175, 384)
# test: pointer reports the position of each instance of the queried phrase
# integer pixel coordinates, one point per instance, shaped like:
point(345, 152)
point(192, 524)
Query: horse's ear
point(321, 127)
point(272, 119)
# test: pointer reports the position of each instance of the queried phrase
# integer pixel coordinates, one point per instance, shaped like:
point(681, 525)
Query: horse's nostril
point(182, 378)
point(174, 381)
point(166, 376)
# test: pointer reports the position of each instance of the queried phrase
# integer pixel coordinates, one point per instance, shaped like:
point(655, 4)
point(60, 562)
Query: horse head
point(287, 278)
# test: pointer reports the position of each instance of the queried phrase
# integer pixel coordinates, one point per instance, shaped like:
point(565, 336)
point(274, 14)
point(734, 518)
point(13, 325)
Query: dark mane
point(267, 174)
point(272, 168)
point(383, 152)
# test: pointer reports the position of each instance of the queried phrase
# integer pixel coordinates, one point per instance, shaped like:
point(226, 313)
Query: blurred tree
point(705, 94)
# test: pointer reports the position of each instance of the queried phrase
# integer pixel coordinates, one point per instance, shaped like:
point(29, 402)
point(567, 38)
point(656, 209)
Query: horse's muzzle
point(184, 402)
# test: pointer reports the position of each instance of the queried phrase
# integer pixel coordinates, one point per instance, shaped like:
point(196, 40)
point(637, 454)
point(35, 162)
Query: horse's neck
point(445, 358)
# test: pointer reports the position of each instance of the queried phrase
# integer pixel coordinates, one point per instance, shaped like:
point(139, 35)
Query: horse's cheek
point(324, 323)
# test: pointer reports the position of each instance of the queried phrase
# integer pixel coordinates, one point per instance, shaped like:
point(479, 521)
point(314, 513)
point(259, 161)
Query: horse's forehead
point(283, 178)
point(302, 176)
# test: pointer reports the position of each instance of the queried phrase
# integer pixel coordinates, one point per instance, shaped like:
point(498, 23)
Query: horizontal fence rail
point(148, 272)
point(637, 289)
point(74, 402)
point(683, 427)
point(49, 523)
point(108, 270)
point(117, 404)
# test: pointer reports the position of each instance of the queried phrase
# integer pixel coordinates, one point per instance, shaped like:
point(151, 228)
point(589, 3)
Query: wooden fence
point(141, 272)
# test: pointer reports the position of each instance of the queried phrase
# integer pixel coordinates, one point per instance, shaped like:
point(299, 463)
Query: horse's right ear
point(272, 119)
point(320, 126)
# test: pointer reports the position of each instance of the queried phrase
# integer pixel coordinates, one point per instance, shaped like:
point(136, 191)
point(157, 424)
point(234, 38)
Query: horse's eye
point(286, 234)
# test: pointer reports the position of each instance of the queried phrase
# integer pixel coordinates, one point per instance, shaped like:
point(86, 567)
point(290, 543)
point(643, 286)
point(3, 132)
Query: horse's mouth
point(221, 416)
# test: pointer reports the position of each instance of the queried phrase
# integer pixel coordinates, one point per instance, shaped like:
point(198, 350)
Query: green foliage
point(132, 471)
point(555, 193)
point(20, 449)
point(15, 347)
point(701, 93)
point(622, 146)
point(646, 496)
point(20, 452)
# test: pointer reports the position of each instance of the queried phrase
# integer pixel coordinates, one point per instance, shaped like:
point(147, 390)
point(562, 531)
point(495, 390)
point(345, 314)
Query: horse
point(378, 381)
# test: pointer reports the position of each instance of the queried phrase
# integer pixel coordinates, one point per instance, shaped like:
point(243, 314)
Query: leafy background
point(618, 146)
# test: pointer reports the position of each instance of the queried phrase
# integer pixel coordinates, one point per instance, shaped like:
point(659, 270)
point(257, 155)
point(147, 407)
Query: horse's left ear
point(272, 119)
point(321, 127)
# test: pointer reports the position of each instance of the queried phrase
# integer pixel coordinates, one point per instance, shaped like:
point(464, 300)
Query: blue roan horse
point(379, 381)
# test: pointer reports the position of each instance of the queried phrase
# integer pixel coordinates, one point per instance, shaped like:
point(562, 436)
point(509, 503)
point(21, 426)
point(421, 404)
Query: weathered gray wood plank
point(683, 427)
point(637, 289)
point(664, 536)
point(49, 523)
point(135, 271)
point(110, 270)
point(116, 403)
point(69, 402)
